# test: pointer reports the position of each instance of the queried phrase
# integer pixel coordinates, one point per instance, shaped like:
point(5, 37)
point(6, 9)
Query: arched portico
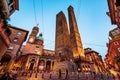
point(41, 65)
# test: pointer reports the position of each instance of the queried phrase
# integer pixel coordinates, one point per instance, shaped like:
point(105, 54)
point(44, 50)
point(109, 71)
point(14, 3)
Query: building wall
point(34, 56)
point(4, 39)
point(113, 55)
point(15, 45)
point(17, 38)
point(18, 34)
point(3, 48)
point(41, 61)
point(114, 12)
point(13, 51)
point(31, 49)
point(49, 52)
point(96, 62)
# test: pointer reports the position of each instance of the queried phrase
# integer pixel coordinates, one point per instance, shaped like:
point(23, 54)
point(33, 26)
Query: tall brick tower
point(76, 42)
point(62, 40)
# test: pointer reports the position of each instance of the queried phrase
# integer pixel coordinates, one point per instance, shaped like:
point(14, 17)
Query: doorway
point(31, 66)
point(48, 65)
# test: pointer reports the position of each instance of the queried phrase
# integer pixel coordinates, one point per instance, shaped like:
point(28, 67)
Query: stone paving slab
point(49, 76)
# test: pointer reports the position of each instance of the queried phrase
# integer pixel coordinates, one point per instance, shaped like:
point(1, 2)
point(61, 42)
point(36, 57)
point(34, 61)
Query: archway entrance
point(41, 65)
point(48, 65)
point(32, 62)
point(31, 66)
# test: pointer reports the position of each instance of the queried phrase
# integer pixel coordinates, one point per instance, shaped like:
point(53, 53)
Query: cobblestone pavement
point(70, 76)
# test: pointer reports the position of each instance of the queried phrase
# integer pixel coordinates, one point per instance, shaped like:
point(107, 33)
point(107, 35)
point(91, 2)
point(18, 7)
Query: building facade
point(112, 58)
point(33, 49)
point(17, 37)
point(7, 8)
point(114, 11)
point(113, 55)
point(95, 61)
point(33, 55)
point(4, 39)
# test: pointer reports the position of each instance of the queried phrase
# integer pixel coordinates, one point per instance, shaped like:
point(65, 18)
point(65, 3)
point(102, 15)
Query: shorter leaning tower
point(76, 43)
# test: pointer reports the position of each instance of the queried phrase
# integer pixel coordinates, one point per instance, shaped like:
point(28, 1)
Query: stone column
point(27, 65)
point(45, 65)
point(36, 64)
point(51, 65)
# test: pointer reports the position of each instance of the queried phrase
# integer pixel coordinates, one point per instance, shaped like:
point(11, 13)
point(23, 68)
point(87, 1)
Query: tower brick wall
point(62, 40)
point(75, 38)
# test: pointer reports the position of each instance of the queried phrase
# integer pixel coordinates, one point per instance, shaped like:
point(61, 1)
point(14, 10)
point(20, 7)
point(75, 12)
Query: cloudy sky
point(93, 23)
